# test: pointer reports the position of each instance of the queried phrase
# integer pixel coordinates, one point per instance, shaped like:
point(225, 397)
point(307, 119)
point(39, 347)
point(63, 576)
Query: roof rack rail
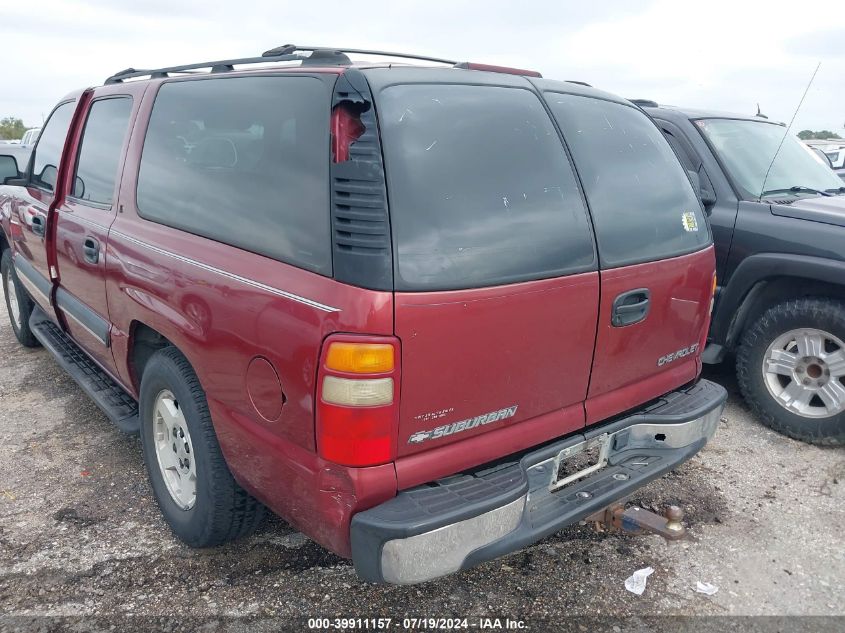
point(507, 70)
point(287, 49)
point(580, 83)
point(319, 56)
point(645, 103)
point(223, 65)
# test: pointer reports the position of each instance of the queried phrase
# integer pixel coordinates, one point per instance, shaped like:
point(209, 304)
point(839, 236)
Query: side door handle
point(91, 250)
point(39, 223)
point(631, 307)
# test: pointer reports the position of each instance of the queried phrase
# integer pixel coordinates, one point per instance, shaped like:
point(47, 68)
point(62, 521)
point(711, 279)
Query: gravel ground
point(80, 535)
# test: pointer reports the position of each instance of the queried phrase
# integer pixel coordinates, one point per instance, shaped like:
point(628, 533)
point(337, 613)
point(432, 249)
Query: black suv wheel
point(201, 501)
point(791, 369)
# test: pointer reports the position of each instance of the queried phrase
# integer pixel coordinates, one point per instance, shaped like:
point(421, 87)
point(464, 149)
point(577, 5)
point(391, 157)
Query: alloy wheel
point(174, 450)
point(804, 371)
point(12, 291)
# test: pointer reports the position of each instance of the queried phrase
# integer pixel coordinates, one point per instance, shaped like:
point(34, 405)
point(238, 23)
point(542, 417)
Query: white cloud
point(718, 54)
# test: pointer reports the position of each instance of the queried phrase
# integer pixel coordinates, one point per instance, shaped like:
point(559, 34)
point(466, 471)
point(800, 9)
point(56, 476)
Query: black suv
point(779, 229)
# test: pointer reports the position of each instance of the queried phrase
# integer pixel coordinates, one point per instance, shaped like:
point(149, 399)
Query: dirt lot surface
point(80, 535)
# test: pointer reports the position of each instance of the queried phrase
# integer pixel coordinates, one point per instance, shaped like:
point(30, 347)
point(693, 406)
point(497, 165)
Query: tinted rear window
point(244, 161)
point(102, 140)
point(481, 191)
point(643, 205)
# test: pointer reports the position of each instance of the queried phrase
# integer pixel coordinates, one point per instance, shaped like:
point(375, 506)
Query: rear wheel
point(791, 369)
point(200, 500)
point(18, 302)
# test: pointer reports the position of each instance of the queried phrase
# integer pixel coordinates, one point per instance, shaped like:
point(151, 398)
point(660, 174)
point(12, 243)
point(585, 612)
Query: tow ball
point(636, 520)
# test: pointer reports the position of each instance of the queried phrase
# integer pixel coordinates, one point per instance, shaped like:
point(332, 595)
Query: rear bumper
point(461, 521)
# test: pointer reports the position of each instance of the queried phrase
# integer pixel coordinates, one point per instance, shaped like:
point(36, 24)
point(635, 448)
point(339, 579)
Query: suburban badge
point(463, 425)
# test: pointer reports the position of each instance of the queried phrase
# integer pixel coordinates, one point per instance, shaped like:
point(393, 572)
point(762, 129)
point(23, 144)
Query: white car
point(30, 137)
point(837, 160)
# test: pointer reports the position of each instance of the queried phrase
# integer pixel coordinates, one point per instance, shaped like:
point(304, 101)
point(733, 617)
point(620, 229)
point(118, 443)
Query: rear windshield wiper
point(797, 189)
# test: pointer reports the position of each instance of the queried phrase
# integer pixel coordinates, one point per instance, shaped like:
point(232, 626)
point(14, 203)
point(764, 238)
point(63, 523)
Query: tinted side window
point(643, 205)
point(480, 188)
point(244, 161)
point(102, 140)
point(689, 159)
point(48, 152)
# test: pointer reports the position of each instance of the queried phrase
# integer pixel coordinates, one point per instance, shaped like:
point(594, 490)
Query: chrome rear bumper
point(461, 521)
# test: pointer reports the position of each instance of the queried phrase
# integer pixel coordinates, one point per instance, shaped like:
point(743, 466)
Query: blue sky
point(718, 54)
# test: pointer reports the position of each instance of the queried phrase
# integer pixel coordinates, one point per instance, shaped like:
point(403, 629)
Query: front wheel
point(200, 500)
point(791, 369)
point(18, 302)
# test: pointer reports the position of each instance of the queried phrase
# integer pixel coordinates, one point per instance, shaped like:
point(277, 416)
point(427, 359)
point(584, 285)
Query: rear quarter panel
point(223, 307)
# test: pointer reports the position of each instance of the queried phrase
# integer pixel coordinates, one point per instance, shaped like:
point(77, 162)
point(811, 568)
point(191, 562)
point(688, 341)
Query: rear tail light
point(358, 392)
point(358, 400)
point(713, 294)
point(360, 358)
point(346, 128)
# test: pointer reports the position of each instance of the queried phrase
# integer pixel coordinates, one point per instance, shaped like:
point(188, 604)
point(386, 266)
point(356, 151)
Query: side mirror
point(704, 191)
point(78, 187)
point(8, 169)
point(708, 197)
point(695, 179)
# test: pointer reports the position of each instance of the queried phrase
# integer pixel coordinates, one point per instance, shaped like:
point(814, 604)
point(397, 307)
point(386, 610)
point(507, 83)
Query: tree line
point(11, 128)
point(809, 135)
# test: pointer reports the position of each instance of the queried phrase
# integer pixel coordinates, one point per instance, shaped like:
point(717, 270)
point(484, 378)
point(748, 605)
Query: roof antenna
point(786, 131)
point(760, 114)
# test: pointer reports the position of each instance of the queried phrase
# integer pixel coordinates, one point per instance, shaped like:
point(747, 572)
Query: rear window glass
point(643, 205)
point(481, 191)
point(244, 161)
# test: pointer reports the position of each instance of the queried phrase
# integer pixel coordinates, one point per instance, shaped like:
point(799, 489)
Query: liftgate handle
point(631, 307)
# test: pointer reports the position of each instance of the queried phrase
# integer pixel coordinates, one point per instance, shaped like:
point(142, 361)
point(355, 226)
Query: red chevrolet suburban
point(389, 302)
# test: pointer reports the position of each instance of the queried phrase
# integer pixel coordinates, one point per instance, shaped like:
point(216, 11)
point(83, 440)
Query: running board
point(119, 406)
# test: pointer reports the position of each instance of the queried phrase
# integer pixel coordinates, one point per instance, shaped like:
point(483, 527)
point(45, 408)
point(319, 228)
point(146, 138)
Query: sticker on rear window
point(689, 222)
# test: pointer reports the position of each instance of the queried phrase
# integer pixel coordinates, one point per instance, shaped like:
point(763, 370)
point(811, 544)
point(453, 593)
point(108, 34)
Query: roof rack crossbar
point(216, 66)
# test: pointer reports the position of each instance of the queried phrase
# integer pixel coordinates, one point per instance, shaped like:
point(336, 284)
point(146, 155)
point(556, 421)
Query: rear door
point(655, 253)
point(84, 215)
point(495, 268)
point(32, 204)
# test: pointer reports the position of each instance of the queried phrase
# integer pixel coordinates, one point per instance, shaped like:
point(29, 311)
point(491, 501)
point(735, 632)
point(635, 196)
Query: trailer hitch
point(636, 520)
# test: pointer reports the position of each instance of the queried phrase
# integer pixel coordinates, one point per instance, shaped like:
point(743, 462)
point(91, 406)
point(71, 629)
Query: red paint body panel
point(462, 353)
point(471, 352)
point(75, 220)
point(222, 307)
point(31, 201)
point(449, 459)
point(313, 495)
point(625, 371)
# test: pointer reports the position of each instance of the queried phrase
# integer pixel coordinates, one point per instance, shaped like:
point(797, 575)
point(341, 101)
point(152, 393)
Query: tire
point(16, 295)
point(800, 390)
point(221, 510)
